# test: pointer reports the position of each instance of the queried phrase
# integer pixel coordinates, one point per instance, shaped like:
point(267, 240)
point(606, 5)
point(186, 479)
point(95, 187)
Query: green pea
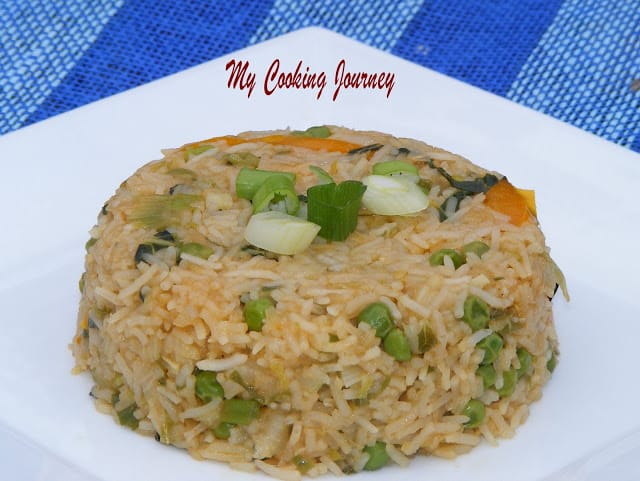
point(476, 313)
point(378, 316)
point(207, 386)
point(303, 464)
point(525, 361)
point(491, 345)
point(437, 258)
point(255, 312)
point(509, 378)
point(475, 411)
point(127, 418)
point(479, 248)
point(552, 363)
point(196, 249)
point(488, 375)
point(396, 345)
point(378, 456)
point(222, 430)
point(239, 411)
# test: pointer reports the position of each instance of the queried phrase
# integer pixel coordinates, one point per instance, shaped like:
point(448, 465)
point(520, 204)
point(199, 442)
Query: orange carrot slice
point(311, 143)
point(505, 198)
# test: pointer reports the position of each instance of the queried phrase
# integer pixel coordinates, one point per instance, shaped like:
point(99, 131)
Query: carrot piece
point(505, 198)
point(530, 197)
point(311, 143)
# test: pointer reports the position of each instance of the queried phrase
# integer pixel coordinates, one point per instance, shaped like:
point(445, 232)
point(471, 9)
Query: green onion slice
point(335, 207)
point(322, 175)
point(276, 189)
point(393, 167)
point(249, 180)
point(318, 132)
point(388, 195)
point(280, 233)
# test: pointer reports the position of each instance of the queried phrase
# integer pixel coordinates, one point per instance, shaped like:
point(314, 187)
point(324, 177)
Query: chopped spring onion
point(475, 411)
point(378, 456)
point(388, 195)
point(222, 430)
point(196, 249)
point(249, 180)
point(322, 175)
point(335, 207)
point(159, 211)
point(126, 416)
point(524, 357)
point(318, 132)
point(509, 380)
point(191, 152)
point(276, 189)
point(365, 149)
point(280, 233)
point(243, 159)
point(393, 167)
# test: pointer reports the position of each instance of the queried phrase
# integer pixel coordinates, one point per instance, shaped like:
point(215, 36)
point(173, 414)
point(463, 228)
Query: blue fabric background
point(573, 59)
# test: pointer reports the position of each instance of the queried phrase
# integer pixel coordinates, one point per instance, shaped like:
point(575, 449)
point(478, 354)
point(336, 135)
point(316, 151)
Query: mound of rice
point(169, 273)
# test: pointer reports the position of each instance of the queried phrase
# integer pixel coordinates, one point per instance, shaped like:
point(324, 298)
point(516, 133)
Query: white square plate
point(58, 173)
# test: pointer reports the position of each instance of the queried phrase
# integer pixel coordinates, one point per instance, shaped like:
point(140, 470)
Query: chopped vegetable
point(393, 167)
point(426, 339)
point(524, 357)
point(239, 411)
point(388, 195)
point(243, 159)
point(451, 205)
point(303, 464)
point(530, 198)
point(474, 186)
point(207, 386)
point(276, 189)
point(181, 172)
point(165, 235)
point(396, 345)
point(335, 207)
point(437, 258)
point(159, 210)
point(322, 175)
point(377, 315)
point(255, 312)
point(196, 249)
point(222, 430)
point(248, 180)
point(280, 233)
point(126, 417)
point(479, 248)
point(378, 456)
point(90, 243)
point(196, 150)
point(505, 198)
point(365, 149)
point(475, 411)
point(552, 363)
point(491, 345)
point(488, 375)
point(318, 132)
point(509, 379)
point(163, 240)
point(476, 313)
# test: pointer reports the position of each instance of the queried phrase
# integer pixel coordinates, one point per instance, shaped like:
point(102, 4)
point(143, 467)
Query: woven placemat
point(577, 60)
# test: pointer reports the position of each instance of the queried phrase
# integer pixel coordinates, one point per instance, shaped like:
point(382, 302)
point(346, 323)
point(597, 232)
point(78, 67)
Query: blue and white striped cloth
point(577, 60)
